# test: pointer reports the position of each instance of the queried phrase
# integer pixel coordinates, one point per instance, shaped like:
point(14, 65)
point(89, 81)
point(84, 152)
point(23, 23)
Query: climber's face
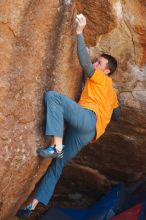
point(102, 63)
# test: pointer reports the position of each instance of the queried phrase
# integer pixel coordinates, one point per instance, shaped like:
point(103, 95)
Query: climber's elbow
point(116, 114)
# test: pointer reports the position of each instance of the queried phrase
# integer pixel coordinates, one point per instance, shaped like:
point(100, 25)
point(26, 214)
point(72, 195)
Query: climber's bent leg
point(60, 108)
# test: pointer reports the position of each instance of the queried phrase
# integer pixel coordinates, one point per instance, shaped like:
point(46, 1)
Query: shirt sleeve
point(83, 56)
point(98, 76)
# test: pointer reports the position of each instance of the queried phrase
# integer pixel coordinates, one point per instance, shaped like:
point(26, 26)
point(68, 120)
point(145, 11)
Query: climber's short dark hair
point(112, 63)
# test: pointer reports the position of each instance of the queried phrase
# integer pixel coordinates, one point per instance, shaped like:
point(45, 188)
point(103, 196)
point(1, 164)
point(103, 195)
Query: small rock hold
point(67, 2)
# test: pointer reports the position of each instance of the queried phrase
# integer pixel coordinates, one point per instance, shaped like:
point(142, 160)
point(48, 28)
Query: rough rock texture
point(38, 52)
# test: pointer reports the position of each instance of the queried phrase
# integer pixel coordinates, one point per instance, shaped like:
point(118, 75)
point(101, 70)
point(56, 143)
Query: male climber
point(86, 120)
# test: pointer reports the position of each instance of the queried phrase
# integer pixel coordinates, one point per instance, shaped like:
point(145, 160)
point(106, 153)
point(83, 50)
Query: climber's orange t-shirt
point(99, 96)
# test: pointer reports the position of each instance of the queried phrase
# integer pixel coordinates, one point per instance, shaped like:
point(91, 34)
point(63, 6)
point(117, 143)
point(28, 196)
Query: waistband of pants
point(90, 111)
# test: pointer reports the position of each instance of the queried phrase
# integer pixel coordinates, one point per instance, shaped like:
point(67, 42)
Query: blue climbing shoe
point(50, 151)
point(24, 213)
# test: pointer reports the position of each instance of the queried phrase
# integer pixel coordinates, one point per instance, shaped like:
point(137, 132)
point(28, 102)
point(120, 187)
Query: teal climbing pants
point(81, 126)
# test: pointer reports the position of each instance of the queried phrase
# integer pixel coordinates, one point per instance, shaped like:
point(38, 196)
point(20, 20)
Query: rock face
point(38, 52)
